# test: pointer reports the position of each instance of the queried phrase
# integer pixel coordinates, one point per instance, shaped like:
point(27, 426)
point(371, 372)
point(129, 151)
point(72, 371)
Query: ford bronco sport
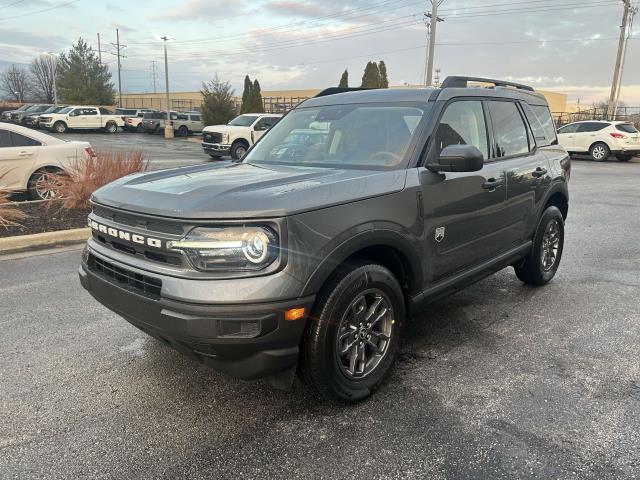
point(309, 256)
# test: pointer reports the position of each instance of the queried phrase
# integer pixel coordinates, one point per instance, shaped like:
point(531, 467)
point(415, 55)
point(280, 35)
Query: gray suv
point(310, 254)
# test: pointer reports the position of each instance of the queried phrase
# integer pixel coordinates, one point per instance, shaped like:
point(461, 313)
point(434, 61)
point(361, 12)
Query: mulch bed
point(45, 217)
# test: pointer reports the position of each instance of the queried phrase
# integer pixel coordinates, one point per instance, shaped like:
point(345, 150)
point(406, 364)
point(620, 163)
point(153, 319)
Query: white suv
point(601, 138)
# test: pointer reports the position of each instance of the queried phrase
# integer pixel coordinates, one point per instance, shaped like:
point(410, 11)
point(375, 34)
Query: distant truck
point(80, 117)
point(238, 135)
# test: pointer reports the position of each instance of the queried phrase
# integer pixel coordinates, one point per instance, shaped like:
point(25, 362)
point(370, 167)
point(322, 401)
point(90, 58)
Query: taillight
point(617, 135)
point(90, 152)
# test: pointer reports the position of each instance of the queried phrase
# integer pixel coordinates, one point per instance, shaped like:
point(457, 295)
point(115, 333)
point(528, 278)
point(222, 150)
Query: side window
point(263, 124)
point(22, 141)
point(463, 123)
point(5, 139)
point(572, 128)
point(90, 111)
point(273, 120)
point(586, 127)
point(75, 113)
point(174, 116)
point(509, 130)
point(182, 116)
point(541, 122)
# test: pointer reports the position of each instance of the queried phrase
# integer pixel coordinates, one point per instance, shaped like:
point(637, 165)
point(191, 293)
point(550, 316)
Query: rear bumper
point(216, 148)
point(243, 340)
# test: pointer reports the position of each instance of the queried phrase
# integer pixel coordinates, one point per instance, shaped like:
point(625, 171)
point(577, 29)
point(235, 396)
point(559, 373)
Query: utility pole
point(99, 50)
point(617, 70)
point(433, 22)
point(120, 56)
point(154, 75)
point(168, 128)
point(632, 14)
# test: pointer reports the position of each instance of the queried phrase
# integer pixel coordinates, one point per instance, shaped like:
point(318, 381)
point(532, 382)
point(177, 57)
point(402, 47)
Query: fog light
point(294, 314)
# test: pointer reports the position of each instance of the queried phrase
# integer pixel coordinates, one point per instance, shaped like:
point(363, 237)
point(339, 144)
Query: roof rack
point(334, 90)
point(461, 82)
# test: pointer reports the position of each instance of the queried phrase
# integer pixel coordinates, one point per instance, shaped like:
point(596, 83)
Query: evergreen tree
point(371, 76)
point(82, 79)
point(344, 80)
point(256, 98)
point(218, 106)
point(246, 95)
point(384, 81)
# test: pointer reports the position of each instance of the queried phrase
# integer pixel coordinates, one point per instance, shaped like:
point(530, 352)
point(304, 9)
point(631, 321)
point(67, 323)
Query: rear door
point(463, 211)
point(18, 156)
point(566, 136)
point(588, 133)
point(91, 118)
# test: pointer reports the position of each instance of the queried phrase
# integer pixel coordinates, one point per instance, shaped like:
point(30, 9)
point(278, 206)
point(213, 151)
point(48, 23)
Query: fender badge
point(439, 234)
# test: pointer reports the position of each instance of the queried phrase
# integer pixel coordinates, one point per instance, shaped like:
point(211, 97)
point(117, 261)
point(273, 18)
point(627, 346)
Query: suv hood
point(221, 128)
point(244, 191)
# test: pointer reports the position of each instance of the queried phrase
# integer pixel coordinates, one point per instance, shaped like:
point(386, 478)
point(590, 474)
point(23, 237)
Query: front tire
point(353, 334)
point(183, 131)
point(541, 265)
point(111, 127)
point(59, 127)
point(599, 152)
point(238, 150)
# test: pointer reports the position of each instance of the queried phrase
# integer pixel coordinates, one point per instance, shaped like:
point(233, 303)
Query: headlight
point(225, 137)
point(230, 248)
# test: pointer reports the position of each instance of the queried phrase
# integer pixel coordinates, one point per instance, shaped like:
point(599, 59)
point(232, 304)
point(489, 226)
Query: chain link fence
point(624, 114)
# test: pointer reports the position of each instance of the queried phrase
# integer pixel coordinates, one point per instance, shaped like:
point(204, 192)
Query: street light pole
point(168, 128)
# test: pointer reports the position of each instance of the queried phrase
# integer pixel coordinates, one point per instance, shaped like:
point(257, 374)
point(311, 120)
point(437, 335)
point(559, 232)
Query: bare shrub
point(86, 175)
point(9, 216)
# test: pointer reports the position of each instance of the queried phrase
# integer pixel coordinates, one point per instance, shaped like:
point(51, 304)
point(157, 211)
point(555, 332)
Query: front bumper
point(243, 340)
point(216, 148)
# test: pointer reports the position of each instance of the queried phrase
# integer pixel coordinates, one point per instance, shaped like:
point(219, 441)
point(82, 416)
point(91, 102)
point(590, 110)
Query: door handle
point(539, 172)
point(491, 184)
point(25, 154)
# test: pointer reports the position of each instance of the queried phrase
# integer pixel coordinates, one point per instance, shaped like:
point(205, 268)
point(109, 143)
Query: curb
point(39, 241)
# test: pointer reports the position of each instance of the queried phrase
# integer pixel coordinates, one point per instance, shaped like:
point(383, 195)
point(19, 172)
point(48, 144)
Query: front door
point(566, 136)
point(18, 156)
point(463, 211)
point(261, 126)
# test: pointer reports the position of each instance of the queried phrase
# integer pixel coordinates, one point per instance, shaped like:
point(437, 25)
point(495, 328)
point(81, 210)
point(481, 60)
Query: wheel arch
point(386, 248)
point(558, 197)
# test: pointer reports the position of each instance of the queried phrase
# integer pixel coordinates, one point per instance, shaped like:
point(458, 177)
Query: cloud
point(190, 10)
point(295, 9)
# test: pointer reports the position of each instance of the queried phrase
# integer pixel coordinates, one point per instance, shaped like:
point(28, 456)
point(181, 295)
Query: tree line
point(374, 76)
point(78, 76)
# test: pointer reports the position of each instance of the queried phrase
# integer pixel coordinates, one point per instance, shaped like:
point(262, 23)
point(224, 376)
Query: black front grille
point(142, 284)
point(212, 137)
point(139, 222)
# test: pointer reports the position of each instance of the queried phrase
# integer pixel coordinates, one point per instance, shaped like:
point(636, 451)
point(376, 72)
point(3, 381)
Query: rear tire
point(59, 127)
point(541, 265)
point(353, 334)
point(42, 184)
point(599, 152)
point(624, 158)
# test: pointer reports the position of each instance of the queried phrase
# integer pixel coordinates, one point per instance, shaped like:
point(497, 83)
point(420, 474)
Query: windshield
point(243, 121)
point(372, 136)
point(32, 108)
point(51, 109)
point(65, 110)
point(22, 108)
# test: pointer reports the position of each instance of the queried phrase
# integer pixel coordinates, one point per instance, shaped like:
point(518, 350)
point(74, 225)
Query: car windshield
point(65, 110)
point(22, 108)
point(366, 136)
point(51, 109)
point(32, 108)
point(627, 128)
point(243, 121)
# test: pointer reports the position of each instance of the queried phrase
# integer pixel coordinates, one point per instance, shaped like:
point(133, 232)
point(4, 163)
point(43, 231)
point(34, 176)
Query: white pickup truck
point(80, 117)
point(238, 135)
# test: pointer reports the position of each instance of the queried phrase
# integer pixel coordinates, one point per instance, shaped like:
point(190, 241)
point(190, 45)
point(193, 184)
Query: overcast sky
point(564, 45)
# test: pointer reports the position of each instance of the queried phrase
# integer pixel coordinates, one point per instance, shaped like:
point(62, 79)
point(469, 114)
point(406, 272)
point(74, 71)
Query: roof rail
point(334, 90)
point(461, 82)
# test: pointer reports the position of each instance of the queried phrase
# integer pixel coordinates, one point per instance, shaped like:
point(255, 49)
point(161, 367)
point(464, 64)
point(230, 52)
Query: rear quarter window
point(541, 121)
point(626, 128)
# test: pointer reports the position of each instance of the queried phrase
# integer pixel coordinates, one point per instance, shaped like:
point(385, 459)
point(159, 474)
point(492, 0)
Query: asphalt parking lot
point(498, 381)
point(161, 153)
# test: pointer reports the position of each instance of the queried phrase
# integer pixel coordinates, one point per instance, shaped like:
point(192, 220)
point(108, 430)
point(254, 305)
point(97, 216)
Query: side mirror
point(458, 158)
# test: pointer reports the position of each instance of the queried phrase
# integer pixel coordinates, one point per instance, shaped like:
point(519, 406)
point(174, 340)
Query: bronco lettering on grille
point(127, 236)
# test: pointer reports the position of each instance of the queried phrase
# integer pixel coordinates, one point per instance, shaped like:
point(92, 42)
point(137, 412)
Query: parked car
point(81, 117)
point(238, 135)
point(32, 120)
point(186, 123)
point(152, 122)
point(19, 117)
point(132, 118)
point(311, 261)
point(601, 139)
point(29, 157)
point(6, 115)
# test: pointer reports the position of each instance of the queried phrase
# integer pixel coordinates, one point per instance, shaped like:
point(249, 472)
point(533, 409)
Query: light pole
point(168, 128)
point(55, 72)
point(17, 94)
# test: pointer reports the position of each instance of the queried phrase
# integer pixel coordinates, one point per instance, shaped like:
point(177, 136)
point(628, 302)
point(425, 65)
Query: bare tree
point(43, 70)
point(16, 83)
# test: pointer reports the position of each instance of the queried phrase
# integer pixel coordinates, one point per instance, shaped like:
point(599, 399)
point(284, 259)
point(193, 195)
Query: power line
point(41, 11)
